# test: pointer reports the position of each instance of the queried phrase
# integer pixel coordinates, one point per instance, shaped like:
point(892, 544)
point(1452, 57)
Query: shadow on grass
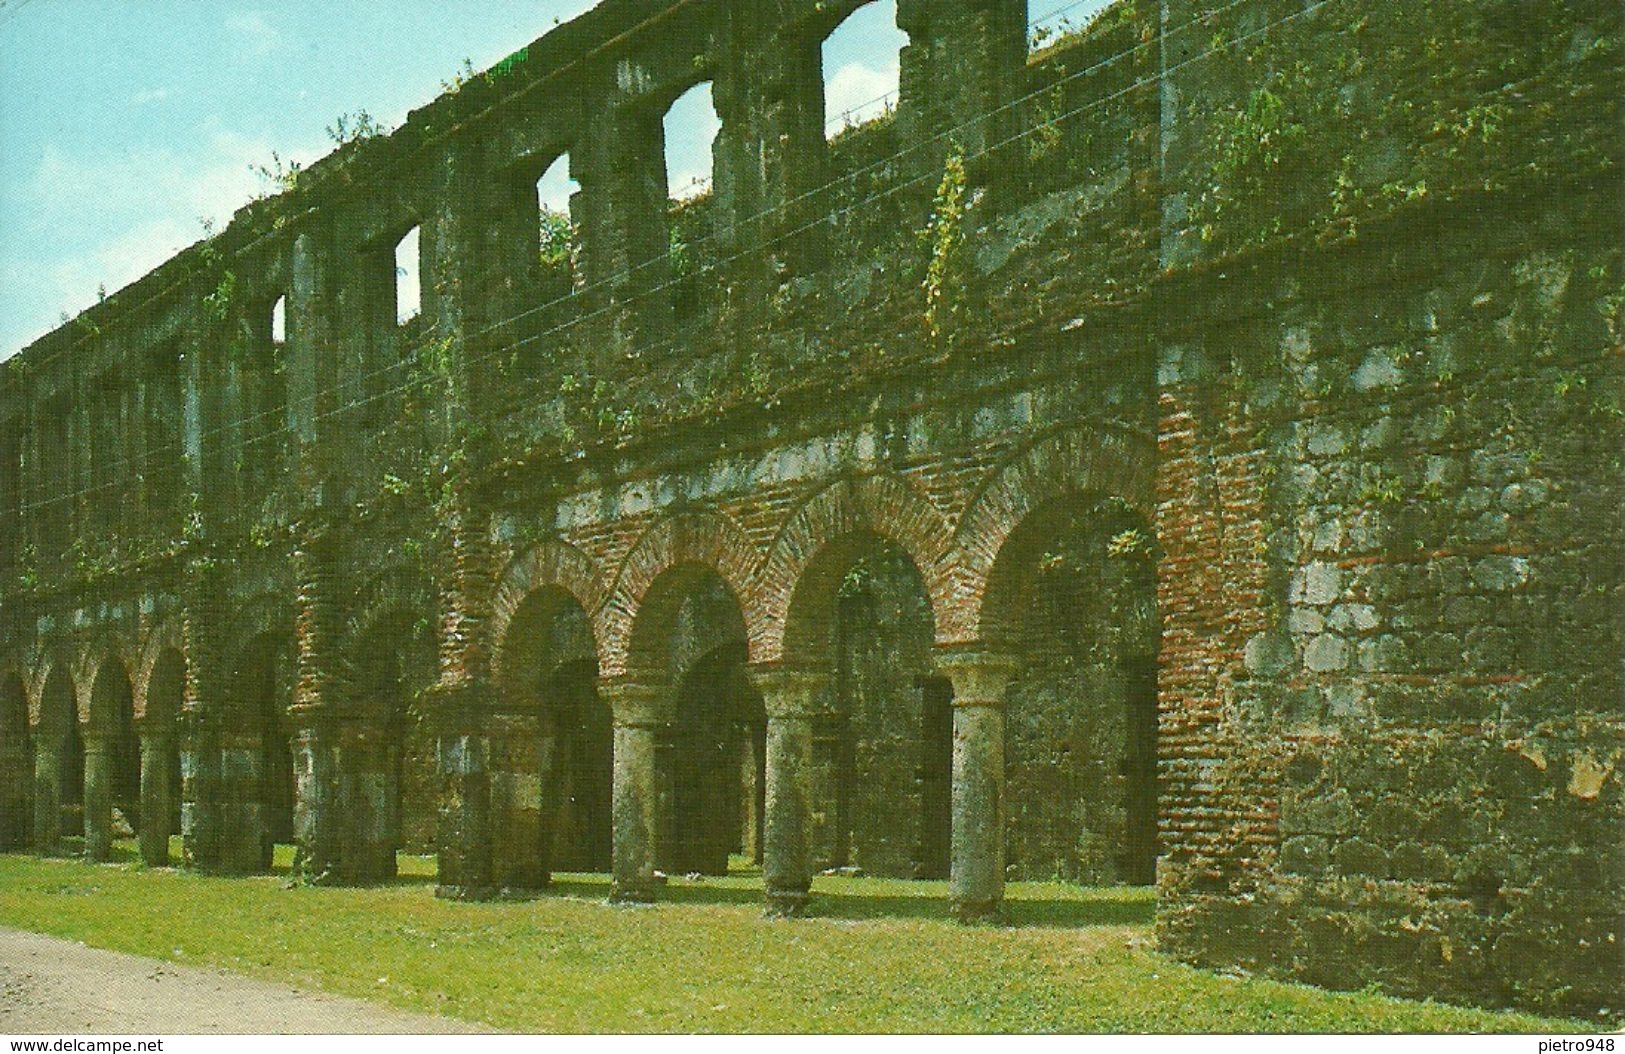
point(928, 903)
point(833, 898)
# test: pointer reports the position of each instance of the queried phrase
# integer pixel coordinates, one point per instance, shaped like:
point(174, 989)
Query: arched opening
point(59, 785)
point(861, 67)
point(883, 748)
point(560, 739)
point(279, 322)
point(161, 801)
point(112, 714)
point(16, 764)
point(393, 662)
point(691, 126)
point(408, 283)
point(577, 786)
point(557, 244)
point(690, 636)
point(717, 746)
point(264, 684)
point(1073, 594)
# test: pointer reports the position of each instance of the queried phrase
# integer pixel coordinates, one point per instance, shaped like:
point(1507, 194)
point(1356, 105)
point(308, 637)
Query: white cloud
point(118, 261)
point(254, 32)
point(150, 95)
point(858, 92)
point(115, 219)
point(207, 178)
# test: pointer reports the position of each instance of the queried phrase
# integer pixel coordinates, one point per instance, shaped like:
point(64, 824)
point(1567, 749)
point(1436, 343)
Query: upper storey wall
point(1168, 136)
point(463, 170)
point(595, 88)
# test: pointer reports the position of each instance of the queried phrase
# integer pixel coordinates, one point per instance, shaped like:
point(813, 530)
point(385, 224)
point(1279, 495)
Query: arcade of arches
point(859, 694)
point(1030, 482)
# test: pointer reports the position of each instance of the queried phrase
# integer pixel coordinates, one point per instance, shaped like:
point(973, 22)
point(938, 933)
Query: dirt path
point(49, 985)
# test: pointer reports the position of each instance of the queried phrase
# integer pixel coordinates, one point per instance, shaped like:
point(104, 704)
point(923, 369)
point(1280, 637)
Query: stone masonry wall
point(1263, 357)
point(1418, 735)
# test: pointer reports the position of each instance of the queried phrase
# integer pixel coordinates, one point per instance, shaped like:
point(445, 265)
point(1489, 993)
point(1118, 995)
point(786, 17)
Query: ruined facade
point(1190, 452)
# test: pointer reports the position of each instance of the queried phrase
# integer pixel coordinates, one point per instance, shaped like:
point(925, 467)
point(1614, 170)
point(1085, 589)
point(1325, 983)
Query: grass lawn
point(879, 955)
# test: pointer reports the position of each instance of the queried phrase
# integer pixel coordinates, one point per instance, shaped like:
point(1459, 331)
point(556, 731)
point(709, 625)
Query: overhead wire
point(850, 176)
point(240, 424)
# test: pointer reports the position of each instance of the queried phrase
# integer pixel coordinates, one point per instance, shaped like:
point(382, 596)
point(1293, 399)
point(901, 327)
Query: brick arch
point(549, 565)
point(880, 504)
point(52, 658)
point(168, 635)
point(706, 539)
point(1083, 460)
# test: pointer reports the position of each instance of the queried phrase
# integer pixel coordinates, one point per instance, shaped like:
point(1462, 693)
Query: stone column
point(789, 697)
point(316, 823)
point(750, 821)
point(98, 796)
point(641, 708)
point(48, 796)
point(976, 875)
point(157, 775)
point(16, 774)
point(464, 832)
point(245, 837)
point(367, 851)
point(207, 615)
point(518, 849)
point(200, 772)
point(964, 61)
point(343, 812)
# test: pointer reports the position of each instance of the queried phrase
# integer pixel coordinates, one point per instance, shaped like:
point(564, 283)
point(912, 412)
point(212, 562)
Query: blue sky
point(124, 124)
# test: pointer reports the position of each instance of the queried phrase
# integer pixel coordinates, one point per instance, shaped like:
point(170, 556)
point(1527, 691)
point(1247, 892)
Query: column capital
point(788, 691)
point(979, 674)
point(637, 701)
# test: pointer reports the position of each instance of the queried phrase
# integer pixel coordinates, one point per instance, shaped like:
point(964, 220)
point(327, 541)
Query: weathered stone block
point(1327, 814)
point(1379, 369)
point(1500, 574)
point(1357, 856)
point(1305, 855)
point(1317, 584)
point(1524, 497)
point(1326, 653)
point(1267, 654)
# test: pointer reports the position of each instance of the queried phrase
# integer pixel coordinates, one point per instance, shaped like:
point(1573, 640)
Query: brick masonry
point(1281, 468)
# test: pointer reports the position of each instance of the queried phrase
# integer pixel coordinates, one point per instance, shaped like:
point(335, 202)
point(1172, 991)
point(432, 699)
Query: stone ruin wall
point(1280, 345)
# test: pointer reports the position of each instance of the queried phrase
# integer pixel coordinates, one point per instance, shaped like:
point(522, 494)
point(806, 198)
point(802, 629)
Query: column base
point(528, 890)
point(972, 912)
point(471, 893)
point(629, 894)
point(786, 903)
point(155, 851)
